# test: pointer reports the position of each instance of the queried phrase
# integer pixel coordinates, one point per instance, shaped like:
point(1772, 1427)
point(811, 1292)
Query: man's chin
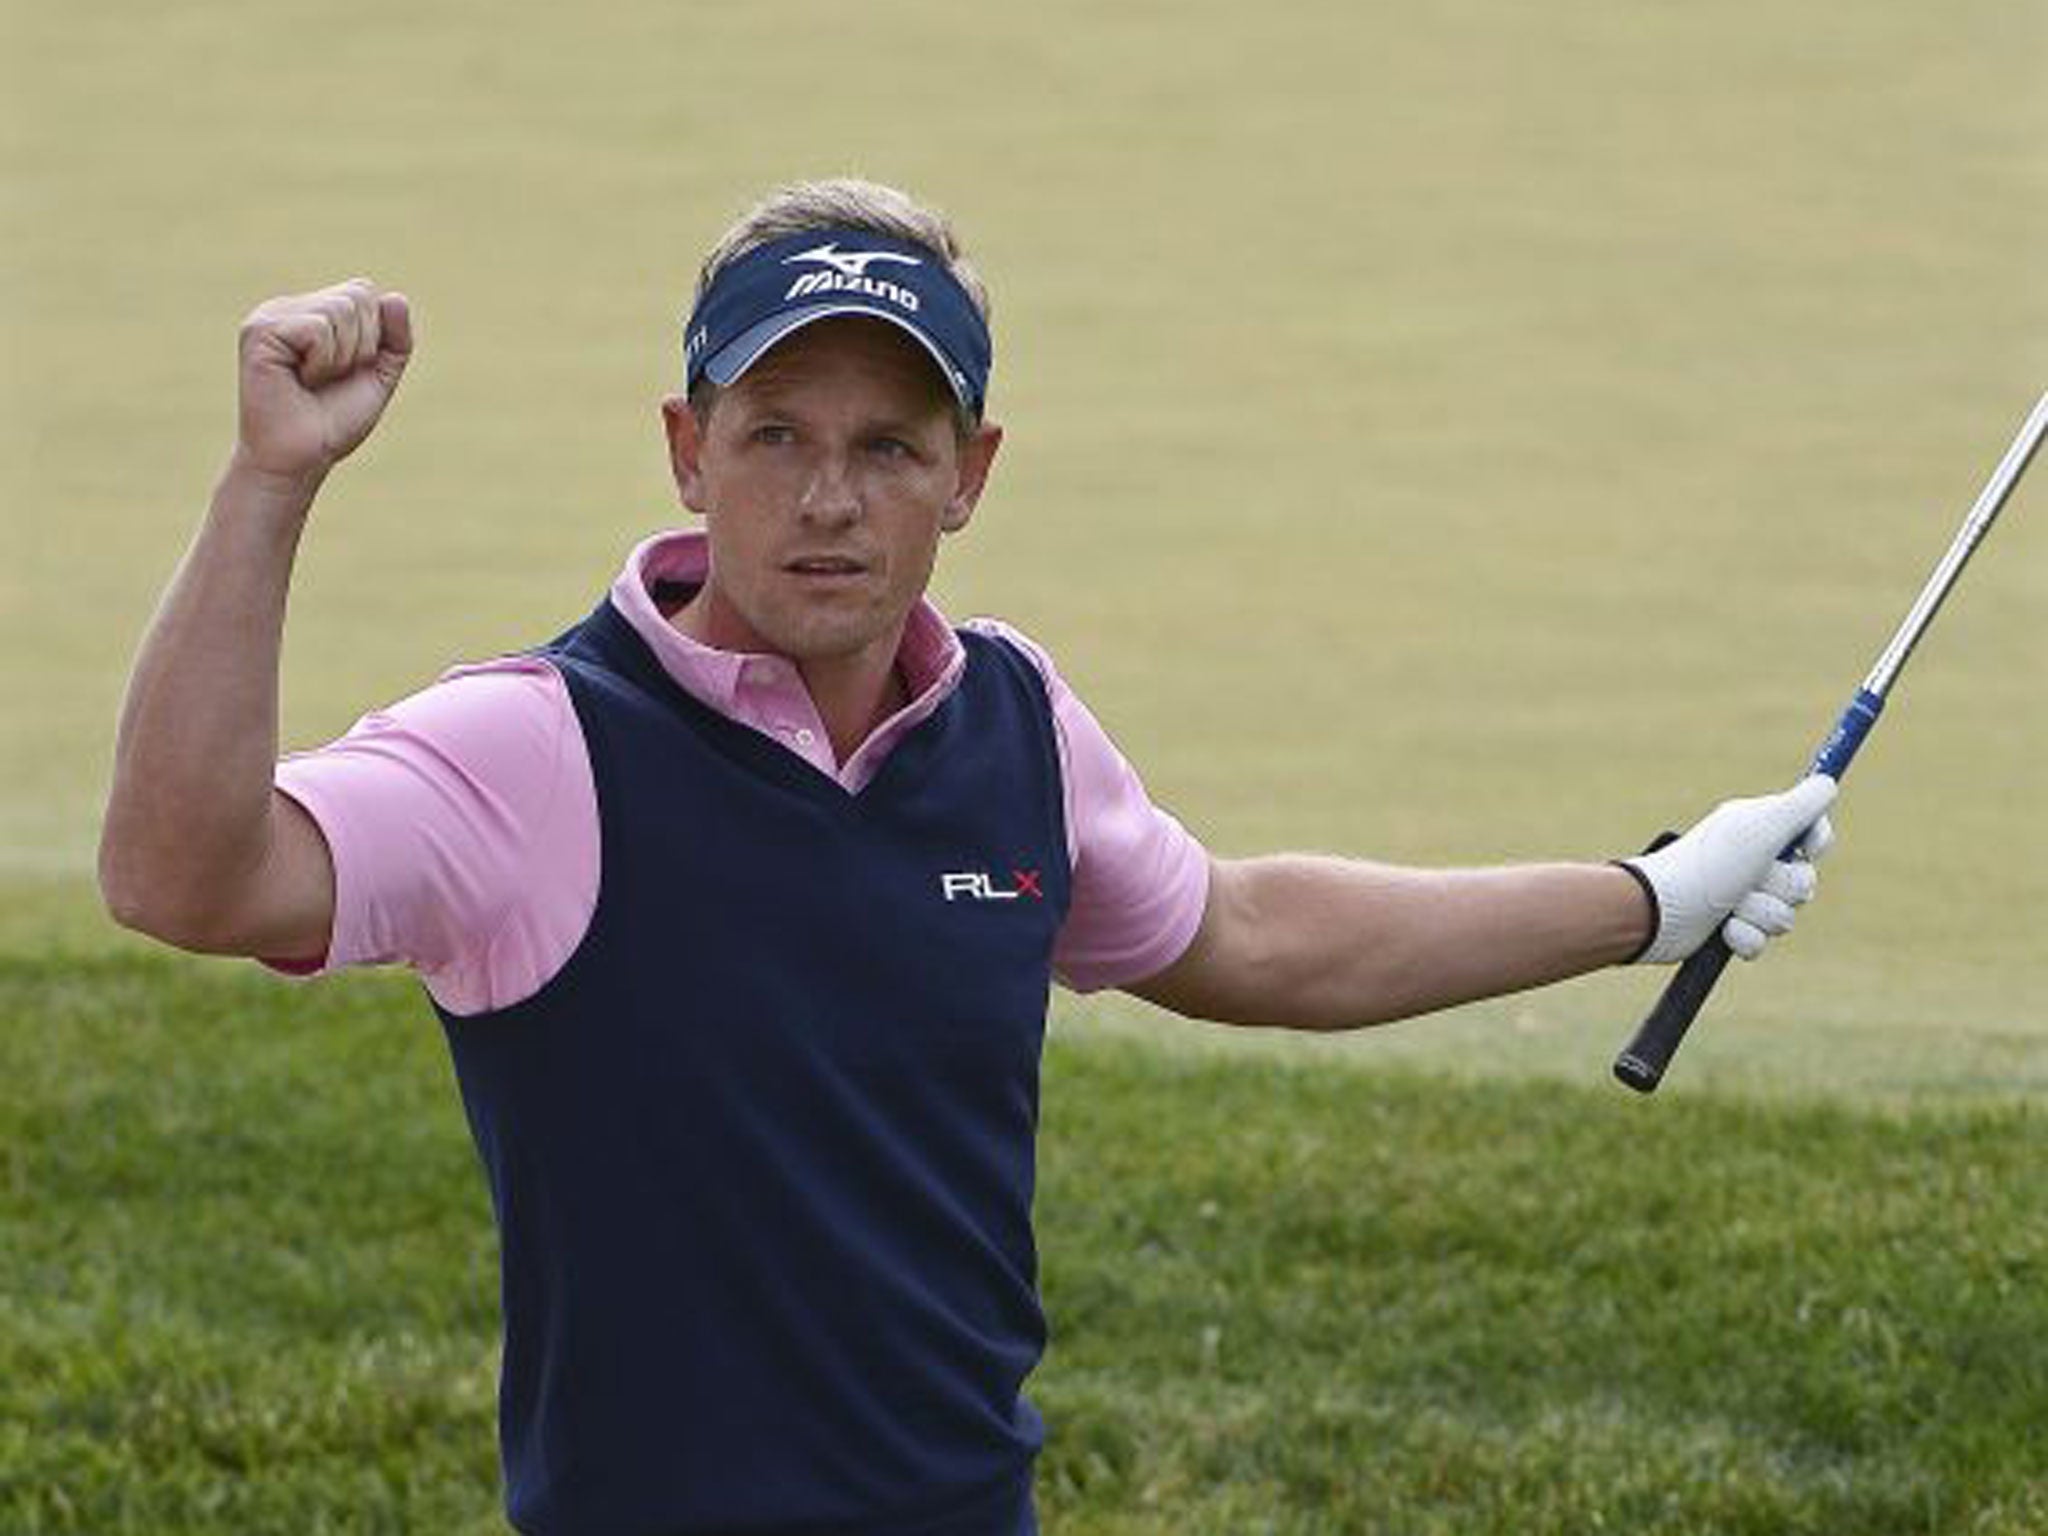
point(825, 643)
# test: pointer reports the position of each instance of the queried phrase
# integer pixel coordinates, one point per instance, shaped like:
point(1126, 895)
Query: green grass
point(248, 1285)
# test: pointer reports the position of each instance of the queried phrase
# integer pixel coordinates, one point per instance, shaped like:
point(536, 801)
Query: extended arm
point(197, 849)
point(1321, 943)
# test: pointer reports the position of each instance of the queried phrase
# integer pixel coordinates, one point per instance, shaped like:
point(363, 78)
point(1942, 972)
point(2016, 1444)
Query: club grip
point(1641, 1066)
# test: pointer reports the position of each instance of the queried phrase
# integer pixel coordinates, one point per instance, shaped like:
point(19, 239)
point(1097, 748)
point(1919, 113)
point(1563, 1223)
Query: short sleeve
point(463, 828)
point(1141, 879)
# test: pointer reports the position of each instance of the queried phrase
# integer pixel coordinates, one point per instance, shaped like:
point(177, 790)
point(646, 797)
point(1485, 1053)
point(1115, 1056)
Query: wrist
point(282, 493)
point(1650, 913)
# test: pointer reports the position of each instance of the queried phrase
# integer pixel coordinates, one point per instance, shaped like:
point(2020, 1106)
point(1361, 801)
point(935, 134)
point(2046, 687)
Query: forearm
point(1322, 943)
point(189, 810)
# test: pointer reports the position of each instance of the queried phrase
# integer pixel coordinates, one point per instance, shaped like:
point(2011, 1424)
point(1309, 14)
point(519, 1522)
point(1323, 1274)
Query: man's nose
point(830, 495)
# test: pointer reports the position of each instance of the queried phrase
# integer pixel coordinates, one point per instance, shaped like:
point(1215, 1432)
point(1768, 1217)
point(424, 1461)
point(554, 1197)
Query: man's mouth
point(824, 565)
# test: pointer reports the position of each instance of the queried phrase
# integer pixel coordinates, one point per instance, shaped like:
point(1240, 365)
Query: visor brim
point(731, 361)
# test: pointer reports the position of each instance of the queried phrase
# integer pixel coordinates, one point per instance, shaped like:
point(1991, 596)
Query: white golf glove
point(1727, 872)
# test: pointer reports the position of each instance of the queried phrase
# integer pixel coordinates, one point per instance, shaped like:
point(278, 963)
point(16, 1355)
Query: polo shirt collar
point(744, 686)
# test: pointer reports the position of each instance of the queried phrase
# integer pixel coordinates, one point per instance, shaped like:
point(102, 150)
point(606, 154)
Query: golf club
point(1642, 1065)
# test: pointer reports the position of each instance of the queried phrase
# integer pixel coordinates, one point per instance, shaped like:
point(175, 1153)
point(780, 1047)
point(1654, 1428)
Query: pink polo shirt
point(463, 820)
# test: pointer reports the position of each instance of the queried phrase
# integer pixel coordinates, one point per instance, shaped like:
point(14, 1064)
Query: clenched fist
point(317, 370)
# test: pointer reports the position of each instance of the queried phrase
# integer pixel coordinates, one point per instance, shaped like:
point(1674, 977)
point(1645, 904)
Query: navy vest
point(762, 1152)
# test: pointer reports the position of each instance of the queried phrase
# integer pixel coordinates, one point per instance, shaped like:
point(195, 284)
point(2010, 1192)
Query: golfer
point(740, 901)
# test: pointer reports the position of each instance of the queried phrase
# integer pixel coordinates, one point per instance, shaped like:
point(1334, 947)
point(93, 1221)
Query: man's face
point(825, 477)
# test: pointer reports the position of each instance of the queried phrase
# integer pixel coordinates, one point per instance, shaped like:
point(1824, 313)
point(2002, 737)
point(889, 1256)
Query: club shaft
point(1989, 502)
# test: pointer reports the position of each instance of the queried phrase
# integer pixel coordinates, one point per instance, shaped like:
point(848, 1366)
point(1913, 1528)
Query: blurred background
point(1453, 432)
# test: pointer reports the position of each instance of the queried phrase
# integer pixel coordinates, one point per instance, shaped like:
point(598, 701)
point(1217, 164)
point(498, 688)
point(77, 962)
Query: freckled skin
point(826, 476)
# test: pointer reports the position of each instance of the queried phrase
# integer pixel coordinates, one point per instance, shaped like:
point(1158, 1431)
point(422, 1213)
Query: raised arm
point(1320, 943)
point(197, 849)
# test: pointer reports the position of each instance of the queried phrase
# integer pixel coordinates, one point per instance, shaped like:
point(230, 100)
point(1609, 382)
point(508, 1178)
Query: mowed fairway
point(1448, 433)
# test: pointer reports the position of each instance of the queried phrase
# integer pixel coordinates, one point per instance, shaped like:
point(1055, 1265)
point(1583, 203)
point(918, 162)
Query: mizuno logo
point(848, 274)
point(849, 263)
point(833, 282)
point(979, 885)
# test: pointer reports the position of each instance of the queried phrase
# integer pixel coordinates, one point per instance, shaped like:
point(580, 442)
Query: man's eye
point(774, 432)
point(893, 448)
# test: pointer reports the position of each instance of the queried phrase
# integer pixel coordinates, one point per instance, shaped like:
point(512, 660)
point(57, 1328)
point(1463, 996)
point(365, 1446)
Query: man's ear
point(685, 450)
point(977, 458)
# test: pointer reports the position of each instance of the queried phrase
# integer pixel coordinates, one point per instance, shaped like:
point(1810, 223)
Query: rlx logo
point(979, 885)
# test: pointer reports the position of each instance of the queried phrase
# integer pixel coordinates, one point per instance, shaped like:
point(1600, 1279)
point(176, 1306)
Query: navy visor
point(782, 286)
